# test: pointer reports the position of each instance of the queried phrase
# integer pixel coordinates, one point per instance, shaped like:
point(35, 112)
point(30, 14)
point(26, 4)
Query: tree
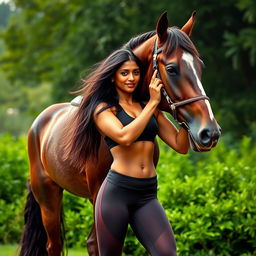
point(4, 13)
point(57, 41)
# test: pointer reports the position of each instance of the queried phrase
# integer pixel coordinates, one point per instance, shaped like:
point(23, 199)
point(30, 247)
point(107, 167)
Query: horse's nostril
point(205, 136)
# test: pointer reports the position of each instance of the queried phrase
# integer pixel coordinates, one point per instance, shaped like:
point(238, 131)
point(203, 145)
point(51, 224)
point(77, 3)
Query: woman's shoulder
point(101, 105)
point(104, 106)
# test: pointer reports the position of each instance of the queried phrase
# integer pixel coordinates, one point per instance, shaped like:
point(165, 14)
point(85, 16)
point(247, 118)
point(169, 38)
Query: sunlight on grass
point(77, 252)
point(11, 250)
point(8, 250)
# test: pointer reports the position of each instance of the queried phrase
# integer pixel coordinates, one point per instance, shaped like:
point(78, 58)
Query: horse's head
point(180, 68)
point(173, 54)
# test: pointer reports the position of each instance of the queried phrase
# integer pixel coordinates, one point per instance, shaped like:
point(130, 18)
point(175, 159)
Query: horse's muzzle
point(206, 138)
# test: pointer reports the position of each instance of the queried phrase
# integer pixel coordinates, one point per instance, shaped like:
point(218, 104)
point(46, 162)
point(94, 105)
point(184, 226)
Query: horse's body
point(50, 126)
point(50, 174)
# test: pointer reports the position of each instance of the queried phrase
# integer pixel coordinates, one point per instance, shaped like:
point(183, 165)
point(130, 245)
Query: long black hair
point(82, 139)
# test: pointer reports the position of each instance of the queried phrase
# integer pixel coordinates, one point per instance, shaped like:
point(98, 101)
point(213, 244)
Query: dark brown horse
point(171, 52)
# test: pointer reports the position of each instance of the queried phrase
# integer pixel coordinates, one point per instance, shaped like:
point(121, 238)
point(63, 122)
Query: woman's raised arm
point(109, 125)
point(176, 139)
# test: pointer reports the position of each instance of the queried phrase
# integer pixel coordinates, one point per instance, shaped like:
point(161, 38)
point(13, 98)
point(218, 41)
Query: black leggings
point(122, 200)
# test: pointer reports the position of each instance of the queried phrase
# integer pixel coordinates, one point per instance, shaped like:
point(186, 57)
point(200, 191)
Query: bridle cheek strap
point(173, 105)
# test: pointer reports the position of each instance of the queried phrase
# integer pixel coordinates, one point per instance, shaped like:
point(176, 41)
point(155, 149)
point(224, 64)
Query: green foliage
point(13, 180)
point(11, 250)
point(212, 204)
point(20, 105)
point(243, 41)
point(209, 199)
point(11, 220)
point(13, 168)
point(78, 219)
point(57, 41)
point(238, 44)
point(80, 34)
point(4, 13)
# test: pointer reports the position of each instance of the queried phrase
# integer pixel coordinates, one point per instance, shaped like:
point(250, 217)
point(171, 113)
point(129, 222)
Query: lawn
point(11, 250)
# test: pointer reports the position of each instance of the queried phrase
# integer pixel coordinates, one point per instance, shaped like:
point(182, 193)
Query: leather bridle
point(173, 105)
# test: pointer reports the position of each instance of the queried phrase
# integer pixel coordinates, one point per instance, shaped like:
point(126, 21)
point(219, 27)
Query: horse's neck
point(144, 53)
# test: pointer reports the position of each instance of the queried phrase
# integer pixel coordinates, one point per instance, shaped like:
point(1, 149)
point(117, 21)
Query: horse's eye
point(172, 71)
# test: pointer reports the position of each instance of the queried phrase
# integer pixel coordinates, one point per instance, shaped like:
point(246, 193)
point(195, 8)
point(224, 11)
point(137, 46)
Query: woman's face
point(127, 77)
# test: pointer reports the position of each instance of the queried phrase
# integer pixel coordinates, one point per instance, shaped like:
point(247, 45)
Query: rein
point(173, 105)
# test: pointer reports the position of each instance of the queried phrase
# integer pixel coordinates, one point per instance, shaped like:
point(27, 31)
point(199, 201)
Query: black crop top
point(148, 134)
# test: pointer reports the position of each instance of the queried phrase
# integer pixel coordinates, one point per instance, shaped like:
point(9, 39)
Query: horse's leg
point(91, 242)
point(94, 180)
point(34, 238)
point(48, 195)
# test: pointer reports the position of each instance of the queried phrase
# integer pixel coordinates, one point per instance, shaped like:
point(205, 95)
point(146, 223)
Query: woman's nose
point(131, 77)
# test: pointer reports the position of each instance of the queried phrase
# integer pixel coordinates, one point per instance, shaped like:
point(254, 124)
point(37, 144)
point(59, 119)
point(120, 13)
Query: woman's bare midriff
point(135, 160)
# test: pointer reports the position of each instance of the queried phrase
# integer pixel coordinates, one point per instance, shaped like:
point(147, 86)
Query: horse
point(170, 51)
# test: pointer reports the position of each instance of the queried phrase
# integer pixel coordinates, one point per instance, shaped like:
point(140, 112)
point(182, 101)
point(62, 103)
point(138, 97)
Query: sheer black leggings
point(122, 200)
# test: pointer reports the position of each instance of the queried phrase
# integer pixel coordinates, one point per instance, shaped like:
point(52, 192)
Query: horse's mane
point(178, 39)
point(175, 39)
point(138, 40)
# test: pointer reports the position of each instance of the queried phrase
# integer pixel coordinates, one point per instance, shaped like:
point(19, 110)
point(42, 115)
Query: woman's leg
point(153, 229)
point(111, 217)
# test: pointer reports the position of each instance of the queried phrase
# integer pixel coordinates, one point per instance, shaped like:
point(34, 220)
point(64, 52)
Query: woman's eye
point(124, 73)
point(137, 72)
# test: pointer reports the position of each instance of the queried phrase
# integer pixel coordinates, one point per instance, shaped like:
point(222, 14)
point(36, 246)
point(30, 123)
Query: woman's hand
point(155, 88)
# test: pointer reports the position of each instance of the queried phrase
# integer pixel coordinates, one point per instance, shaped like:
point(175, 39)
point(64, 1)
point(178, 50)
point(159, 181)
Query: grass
point(11, 250)
point(8, 250)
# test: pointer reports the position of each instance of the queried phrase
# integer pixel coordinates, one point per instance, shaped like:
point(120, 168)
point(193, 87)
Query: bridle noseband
point(173, 105)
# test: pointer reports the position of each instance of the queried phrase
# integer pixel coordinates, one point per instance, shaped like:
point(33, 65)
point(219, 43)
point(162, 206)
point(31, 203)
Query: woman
point(128, 195)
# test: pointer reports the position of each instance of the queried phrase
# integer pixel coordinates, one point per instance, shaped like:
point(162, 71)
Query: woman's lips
point(130, 85)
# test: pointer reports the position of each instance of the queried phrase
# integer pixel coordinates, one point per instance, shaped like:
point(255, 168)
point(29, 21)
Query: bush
point(13, 179)
point(211, 203)
point(209, 199)
point(78, 219)
point(13, 167)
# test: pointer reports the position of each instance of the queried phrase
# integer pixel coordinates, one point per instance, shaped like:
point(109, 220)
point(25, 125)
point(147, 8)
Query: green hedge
point(209, 198)
point(13, 182)
point(212, 205)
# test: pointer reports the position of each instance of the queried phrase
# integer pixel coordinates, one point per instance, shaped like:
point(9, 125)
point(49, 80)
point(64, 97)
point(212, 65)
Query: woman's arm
point(176, 139)
point(109, 125)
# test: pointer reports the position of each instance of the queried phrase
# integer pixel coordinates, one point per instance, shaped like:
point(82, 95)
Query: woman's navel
point(142, 166)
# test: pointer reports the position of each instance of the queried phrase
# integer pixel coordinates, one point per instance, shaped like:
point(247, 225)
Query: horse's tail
point(34, 238)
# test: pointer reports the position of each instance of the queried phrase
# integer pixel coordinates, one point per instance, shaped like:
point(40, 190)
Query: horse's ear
point(187, 28)
point(161, 27)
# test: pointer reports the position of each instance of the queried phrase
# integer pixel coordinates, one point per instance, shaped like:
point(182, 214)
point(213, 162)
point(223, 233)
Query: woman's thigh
point(111, 217)
point(153, 229)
